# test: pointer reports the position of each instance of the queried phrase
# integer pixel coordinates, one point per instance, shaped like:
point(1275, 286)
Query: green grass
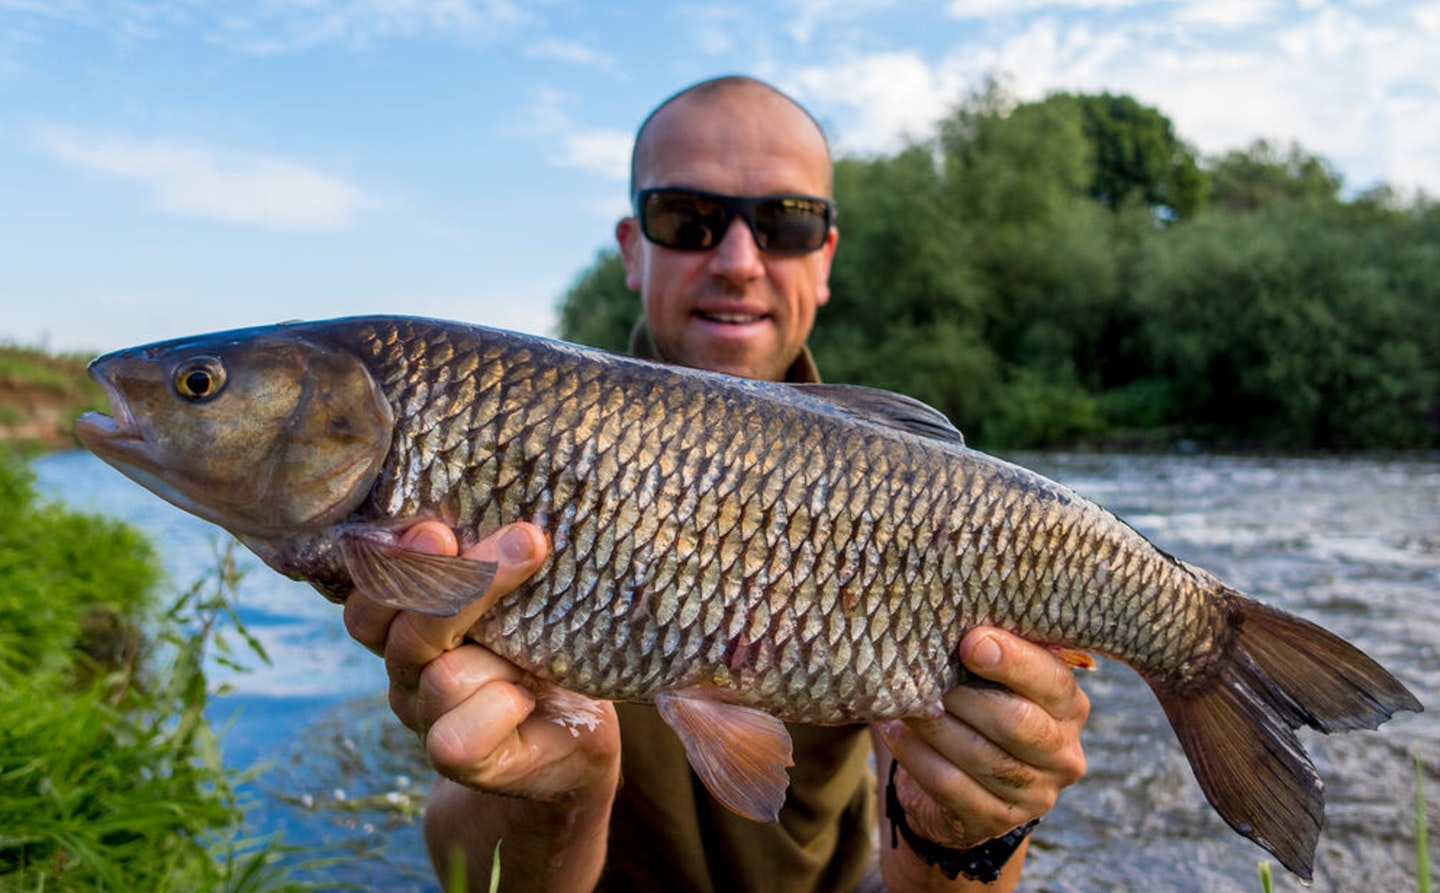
point(1422, 839)
point(39, 369)
point(110, 776)
point(35, 384)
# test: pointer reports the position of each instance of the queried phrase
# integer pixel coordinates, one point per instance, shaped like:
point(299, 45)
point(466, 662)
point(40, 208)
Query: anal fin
point(740, 753)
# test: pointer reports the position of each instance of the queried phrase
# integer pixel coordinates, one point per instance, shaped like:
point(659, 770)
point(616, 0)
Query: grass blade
point(1422, 846)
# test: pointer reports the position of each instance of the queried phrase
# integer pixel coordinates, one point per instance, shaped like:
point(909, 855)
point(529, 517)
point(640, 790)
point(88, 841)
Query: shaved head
point(743, 91)
point(732, 307)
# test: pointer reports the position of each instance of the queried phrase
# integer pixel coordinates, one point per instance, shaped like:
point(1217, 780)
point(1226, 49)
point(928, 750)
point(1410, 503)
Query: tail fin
point(1238, 729)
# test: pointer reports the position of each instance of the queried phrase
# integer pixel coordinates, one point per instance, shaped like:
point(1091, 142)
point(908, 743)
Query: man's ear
point(628, 235)
point(827, 256)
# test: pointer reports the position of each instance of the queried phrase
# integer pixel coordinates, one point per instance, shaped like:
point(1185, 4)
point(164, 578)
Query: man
point(733, 287)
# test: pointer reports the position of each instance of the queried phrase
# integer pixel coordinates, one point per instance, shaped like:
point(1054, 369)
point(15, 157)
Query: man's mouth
point(731, 318)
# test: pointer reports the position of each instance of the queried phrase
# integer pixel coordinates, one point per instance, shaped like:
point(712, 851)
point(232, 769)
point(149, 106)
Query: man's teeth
point(732, 318)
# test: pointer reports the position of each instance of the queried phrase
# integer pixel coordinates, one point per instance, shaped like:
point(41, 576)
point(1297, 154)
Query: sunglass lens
point(791, 225)
point(682, 220)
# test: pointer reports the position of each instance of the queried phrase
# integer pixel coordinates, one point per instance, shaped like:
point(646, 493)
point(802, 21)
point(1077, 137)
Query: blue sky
point(176, 166)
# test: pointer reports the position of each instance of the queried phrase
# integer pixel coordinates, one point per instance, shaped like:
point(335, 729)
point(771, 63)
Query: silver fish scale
point(723, 534)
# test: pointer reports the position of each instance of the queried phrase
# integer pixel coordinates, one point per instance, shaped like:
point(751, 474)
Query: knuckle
point(1074, 767)
point(1014, 774)
point(401, 704)
point(365, 624)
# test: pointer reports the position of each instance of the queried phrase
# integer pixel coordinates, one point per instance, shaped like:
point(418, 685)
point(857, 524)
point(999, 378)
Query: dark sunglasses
point(690, 220)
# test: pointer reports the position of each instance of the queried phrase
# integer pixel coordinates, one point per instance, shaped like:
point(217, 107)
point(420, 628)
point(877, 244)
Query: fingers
point(410, 641)
point(1026, 669)
point(368, 622)
point(943, 801)
point(998, 756)
point(413, 640)
point(468, 701)
point(1036, 718)
point(500, 739)
point(476, 711)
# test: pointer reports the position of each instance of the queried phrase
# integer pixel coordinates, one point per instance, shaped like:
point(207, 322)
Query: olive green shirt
point(668, 834)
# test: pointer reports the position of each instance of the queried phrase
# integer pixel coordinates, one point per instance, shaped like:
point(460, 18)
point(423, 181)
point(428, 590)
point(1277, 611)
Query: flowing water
point(1352, 543)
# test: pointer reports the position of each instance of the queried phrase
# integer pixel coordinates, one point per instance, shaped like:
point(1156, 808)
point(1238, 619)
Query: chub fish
point(739, 553)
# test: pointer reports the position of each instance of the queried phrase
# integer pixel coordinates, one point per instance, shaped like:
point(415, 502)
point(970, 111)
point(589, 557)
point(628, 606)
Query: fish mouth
point(117, 433)
point(120, 441)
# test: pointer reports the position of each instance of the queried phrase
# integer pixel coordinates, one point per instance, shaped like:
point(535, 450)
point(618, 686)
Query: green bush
point(110, 777)
point(1067, 270)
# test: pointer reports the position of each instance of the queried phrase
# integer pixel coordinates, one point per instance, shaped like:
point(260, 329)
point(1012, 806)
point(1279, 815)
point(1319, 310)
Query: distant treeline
point(1069, 270)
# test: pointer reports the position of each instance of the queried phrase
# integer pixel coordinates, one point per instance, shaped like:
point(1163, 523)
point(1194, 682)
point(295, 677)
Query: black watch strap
point(981, 862)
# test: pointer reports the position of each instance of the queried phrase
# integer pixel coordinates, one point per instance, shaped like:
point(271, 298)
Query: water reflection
point(1351, 543)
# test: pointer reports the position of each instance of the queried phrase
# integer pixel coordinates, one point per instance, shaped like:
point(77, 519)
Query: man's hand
point(474, 710)
point(997, 757)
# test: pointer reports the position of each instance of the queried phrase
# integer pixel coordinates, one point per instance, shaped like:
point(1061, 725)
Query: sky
point(170, 167)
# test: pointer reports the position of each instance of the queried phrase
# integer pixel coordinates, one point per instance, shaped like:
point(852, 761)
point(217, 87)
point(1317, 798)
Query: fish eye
point(200, 379)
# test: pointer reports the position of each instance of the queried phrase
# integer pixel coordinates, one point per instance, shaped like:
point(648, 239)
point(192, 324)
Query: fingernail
point(985, 655)
point(424, 537)
point(515, 546)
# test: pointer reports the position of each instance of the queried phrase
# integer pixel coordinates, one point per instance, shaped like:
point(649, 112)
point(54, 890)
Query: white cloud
point(1047, 56)
point(1428, 18)
point(196, 181)
point(881, 99)
point(985, 9)
point(569, 51)
point(811, 15)
point(1227, 13)
point(1327, 35)
point(599, 151)
point(718, 30)
point(276, 26)
point(1355, 86)
point(284, 25)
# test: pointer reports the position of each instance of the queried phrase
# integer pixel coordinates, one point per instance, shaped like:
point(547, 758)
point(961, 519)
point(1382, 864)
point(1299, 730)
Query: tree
point(1136, 156)
point(1047, 271)
point(1286, 326)
point(598, 309)
point(1263, 175)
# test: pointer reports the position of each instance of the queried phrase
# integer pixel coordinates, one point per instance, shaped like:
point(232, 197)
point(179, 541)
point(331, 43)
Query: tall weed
point(110, 776)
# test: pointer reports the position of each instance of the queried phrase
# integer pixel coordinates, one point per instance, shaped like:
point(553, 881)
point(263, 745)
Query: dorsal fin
point(887, 408)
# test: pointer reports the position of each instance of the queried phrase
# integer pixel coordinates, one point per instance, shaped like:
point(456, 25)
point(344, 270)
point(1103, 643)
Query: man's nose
point(737, 256)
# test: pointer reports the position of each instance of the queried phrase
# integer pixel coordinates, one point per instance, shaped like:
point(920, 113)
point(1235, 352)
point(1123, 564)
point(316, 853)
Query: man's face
point(732, 308)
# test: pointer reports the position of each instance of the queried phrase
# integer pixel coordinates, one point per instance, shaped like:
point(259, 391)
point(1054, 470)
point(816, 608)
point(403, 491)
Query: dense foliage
point(1069, 270)
point(110, 778)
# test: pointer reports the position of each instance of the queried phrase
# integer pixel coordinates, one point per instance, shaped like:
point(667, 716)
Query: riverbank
point(41, 394)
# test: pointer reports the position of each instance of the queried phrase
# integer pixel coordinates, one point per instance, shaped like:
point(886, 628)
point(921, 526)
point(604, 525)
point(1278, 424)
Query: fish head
point(258, 430)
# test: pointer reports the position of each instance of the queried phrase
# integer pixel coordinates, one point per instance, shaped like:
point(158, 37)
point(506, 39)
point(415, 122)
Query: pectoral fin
point(438, 585)
point(1077, 660)
point(739, 752)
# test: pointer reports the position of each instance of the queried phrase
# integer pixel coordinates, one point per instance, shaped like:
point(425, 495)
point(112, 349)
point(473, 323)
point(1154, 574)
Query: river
point(1352, 543)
